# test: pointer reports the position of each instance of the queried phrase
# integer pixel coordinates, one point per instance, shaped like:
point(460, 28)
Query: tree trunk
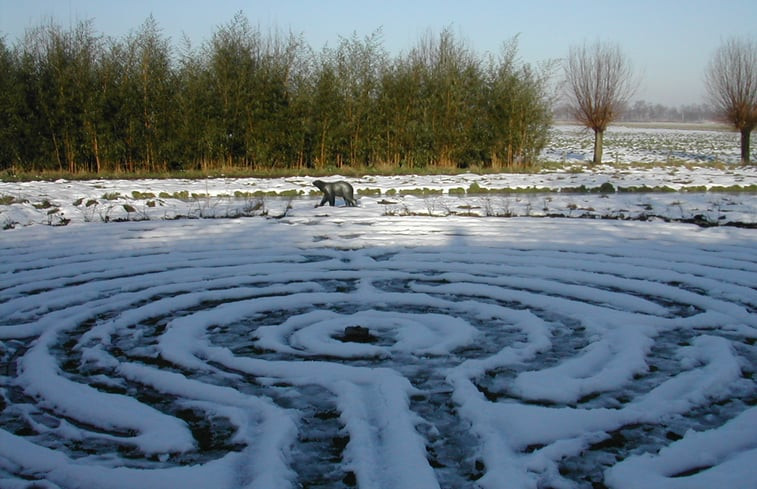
point(599, 137)
point(745, 134)
point(96, 149)
point(322, 159)
point(57, 152)
point(68, 148)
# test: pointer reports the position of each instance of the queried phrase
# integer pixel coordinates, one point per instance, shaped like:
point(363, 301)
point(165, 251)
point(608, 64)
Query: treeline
point(75, 100)
point(643, 111)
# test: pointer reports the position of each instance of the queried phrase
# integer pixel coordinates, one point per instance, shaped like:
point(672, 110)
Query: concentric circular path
point(397, 352)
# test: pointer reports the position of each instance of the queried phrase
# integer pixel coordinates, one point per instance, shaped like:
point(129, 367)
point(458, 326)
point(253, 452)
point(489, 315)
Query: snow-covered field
point(606, 192)
point(404, 343)
point(692, 143)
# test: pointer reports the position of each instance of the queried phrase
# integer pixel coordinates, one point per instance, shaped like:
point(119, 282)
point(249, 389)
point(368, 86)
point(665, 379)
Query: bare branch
point(731, 81)
point(599, 83)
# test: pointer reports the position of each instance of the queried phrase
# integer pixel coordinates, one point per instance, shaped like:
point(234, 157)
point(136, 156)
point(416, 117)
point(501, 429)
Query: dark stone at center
point(357, 334)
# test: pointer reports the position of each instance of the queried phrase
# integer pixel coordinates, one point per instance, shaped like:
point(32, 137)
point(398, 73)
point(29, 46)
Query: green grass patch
point(734, 188)
point(369, 191)
point(421, 191)
point(521, 190)
point(45, 204)
point(180, 195)
point(9, 199)
point(646, 189)
point(475, 189)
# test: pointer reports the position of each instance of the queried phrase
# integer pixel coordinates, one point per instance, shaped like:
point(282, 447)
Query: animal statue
point(332, 190)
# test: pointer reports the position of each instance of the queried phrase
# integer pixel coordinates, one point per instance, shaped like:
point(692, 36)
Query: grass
point(12, 175)
point(10, 199)
point(347, 171)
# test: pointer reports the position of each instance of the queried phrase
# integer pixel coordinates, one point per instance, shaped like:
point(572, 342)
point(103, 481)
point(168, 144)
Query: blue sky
point(668, 41)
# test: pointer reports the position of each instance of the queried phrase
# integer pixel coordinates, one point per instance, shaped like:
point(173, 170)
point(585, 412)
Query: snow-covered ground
point(516, 352)
point(168, 350)
point(674, 193)
point(684, 143)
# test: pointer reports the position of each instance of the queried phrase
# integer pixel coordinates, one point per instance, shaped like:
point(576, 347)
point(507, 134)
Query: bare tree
point(731, 81)
point(599, 81)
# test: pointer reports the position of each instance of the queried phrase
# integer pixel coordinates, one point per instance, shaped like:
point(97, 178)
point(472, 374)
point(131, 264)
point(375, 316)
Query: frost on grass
point(524, 353)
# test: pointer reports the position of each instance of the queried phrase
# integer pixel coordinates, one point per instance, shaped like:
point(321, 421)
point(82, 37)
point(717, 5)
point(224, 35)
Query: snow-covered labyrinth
point(401, 344)
point(516, 353)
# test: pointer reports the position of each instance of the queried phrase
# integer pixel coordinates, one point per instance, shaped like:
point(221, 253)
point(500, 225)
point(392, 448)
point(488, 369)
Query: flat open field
point(648, 143)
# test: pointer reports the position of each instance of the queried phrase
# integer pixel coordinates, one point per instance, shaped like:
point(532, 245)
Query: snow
point(525, 352)
point(694, 162)
point(725, 457)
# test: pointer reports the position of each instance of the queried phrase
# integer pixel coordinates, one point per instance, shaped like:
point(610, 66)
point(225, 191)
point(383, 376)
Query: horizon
point(672, 76)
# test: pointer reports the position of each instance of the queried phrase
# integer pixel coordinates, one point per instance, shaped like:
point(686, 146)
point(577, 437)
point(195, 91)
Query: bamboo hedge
point(74, 100)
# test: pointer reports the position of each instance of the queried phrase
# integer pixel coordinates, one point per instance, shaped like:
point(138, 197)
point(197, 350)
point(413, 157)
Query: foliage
point(77, 101)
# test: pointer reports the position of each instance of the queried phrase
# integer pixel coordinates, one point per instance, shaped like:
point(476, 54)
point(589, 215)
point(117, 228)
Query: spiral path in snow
point(398, 352)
